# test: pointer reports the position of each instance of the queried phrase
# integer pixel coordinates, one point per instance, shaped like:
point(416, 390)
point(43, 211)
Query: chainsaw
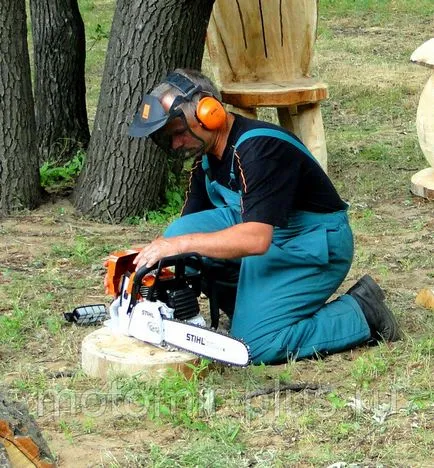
point(159, 305)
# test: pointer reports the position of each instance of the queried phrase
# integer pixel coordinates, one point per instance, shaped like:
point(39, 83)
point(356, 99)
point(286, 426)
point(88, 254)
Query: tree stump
point(105, 354)
point(422, 183)
point(21, 442)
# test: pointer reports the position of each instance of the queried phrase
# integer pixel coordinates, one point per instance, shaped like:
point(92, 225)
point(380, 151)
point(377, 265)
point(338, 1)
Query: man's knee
point(265, 351)
point(174, 229)
point(181, 226)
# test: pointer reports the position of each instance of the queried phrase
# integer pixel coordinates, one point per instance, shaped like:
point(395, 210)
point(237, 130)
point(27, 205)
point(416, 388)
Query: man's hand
point(155, 251)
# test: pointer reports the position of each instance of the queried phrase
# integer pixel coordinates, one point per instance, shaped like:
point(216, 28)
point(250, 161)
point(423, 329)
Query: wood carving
point(261, 53)
point(422, 183)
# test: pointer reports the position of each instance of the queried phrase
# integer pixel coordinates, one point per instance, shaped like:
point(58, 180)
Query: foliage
point(84, 250)
point(174, 196)
point(99, 34)
point(56, 177)
point(11, 329)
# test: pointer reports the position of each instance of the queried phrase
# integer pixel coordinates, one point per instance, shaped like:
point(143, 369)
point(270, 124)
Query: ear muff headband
point(210, 112)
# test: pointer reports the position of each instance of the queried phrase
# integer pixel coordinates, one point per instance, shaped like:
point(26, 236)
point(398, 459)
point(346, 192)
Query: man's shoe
point(380, 318)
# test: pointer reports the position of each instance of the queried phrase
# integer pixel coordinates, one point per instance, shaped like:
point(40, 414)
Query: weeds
point(175, 398)
point(55, 177)
point(11, 329)
point(84, 250)
point(369, 367)
point(174, 200)
point(67, 431)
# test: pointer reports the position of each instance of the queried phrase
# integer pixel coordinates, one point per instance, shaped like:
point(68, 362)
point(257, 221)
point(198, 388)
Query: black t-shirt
point(274, 176)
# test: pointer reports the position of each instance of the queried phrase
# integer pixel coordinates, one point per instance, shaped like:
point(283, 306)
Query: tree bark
point(21, 440)
point(19, 171)
point(123, 176)
point(60, 91)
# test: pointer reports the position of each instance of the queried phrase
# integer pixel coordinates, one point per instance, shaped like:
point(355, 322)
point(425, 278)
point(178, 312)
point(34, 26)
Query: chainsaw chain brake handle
point(186, 266)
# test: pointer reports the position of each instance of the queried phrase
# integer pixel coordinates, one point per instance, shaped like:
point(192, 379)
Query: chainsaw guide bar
point(207, 343)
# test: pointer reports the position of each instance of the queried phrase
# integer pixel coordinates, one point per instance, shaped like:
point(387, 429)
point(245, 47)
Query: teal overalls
point(280, 309)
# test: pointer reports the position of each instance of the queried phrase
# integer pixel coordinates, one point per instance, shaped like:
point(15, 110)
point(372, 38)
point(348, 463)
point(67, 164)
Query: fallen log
point(21, 442)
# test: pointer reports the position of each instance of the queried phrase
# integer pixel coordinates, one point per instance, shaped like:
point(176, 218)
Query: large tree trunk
point(123, 176)
point(60, 91)
point(19, 173)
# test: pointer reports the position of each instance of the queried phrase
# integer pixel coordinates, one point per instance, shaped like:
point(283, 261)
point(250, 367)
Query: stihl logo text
point(147, 313)
point(195, 339)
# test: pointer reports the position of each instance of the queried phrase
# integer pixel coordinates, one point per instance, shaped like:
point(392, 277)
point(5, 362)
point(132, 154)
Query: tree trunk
point(123, 176)
point(19, 172)
point(60, 91)
point(21, 441)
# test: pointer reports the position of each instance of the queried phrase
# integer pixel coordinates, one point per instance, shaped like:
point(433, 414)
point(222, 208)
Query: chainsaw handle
point(179, 261)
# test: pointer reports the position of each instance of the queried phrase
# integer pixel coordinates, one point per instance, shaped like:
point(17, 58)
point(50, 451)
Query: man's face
point(181, 136)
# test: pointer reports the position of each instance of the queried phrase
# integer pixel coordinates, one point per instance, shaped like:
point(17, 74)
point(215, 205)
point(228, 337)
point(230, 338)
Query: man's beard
point(164, 140)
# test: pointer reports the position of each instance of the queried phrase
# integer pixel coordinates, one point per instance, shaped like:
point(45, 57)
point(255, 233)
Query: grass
point(376, 407)
point(55, 177)
point(97, 16)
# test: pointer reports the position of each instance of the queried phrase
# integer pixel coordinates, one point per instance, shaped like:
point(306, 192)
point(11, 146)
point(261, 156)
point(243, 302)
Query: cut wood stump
point(21, 442)
point(422, 183)
point(425, 298)
point(106, 354)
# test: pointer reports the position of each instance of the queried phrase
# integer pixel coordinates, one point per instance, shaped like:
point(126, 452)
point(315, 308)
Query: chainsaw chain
point(230, 364)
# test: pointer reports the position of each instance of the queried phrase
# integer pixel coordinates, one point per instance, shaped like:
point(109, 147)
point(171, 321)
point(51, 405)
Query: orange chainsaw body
point(120, 263)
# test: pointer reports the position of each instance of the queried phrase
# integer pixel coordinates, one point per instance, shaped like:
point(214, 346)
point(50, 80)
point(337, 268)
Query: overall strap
point(205, 167)
point(270, 132)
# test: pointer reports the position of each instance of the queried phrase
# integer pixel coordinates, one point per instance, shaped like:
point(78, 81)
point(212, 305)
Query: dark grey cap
point(150, 118)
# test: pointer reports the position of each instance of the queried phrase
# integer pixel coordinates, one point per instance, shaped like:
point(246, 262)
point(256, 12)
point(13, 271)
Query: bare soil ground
point(394, 244)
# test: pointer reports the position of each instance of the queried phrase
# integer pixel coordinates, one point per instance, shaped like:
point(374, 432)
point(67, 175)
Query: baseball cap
point(150, 117)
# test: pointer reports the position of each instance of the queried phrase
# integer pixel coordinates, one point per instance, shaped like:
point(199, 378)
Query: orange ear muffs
point(210, 113)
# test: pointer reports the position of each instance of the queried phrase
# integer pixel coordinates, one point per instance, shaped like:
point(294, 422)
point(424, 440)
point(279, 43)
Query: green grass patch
point(84, 250)
point(175, 398)
point(97, 16)
point(12, 328)
point(56, 177)
point(376, 10)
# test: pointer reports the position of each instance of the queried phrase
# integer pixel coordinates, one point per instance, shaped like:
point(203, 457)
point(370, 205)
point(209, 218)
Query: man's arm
point(237, 241)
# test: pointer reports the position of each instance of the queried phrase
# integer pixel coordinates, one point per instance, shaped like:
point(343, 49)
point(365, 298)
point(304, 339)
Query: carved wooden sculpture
point(261, 53)
point(422, 183)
